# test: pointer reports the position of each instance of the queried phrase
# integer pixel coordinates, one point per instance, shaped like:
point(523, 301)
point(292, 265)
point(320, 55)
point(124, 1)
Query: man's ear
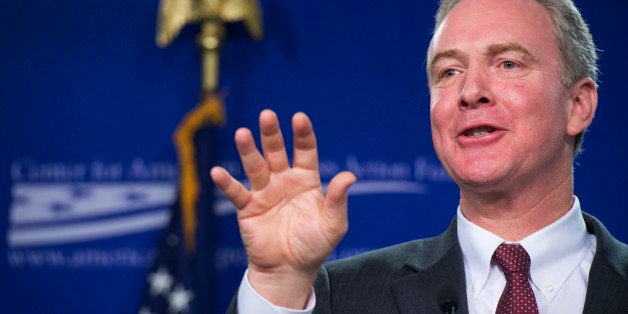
point(583, 103)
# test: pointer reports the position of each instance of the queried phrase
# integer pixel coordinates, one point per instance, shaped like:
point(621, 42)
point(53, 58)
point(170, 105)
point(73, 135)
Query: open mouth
point(479, 131)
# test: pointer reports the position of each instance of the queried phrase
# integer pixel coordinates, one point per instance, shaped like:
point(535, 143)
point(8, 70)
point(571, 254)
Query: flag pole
point(212, 16)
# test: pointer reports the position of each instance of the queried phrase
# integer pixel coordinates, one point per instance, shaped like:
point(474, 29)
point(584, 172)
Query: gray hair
point(578, 55)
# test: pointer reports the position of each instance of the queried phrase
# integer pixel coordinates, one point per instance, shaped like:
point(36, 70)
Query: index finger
point(305, 149)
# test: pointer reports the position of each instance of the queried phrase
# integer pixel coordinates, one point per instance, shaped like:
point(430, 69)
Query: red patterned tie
point(518, 296)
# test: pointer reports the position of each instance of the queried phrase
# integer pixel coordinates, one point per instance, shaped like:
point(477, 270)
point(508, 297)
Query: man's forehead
point(477, 21)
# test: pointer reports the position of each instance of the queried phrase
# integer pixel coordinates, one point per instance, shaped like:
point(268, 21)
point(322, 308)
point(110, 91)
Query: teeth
point(479, 131)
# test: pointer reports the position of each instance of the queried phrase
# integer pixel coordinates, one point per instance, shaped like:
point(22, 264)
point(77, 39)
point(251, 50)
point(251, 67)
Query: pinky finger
point(237, 193)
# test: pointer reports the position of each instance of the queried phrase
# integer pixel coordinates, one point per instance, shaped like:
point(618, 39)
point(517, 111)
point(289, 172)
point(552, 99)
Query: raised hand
point(288, 226)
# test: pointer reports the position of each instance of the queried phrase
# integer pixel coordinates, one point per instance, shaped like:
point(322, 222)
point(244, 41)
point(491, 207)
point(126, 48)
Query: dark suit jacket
point(419, 276)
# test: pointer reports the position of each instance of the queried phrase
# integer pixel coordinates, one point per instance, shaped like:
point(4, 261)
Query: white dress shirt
point(249, 301)
point(561, 255)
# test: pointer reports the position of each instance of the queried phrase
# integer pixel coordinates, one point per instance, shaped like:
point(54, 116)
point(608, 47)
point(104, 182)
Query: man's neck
point(514, 216)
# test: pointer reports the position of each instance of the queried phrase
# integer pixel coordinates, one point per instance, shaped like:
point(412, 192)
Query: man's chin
point(484, 182)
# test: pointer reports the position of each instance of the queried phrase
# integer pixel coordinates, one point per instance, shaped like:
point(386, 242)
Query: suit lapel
point(602, 289)
point(607, 290)
point(436, 275)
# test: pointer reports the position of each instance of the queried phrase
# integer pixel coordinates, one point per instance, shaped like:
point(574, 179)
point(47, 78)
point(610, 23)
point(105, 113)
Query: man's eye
point(449, 73)
point(509, 64)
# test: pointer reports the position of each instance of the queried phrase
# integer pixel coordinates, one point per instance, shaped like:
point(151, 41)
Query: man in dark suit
point(513, 88)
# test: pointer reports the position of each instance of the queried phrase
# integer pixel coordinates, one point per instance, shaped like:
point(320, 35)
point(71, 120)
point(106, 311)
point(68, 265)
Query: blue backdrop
point(88, 104)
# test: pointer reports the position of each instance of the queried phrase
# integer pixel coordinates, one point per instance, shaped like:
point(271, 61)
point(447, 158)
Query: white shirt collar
point(554, 251)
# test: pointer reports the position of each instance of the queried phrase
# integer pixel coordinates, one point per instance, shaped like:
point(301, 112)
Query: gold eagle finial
point(212, 15)
point(175, 14)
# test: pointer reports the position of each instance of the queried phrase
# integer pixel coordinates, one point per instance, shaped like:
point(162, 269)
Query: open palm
point(287, 224)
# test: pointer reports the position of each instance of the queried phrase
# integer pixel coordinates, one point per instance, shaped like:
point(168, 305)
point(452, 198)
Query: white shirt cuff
point(249, 301)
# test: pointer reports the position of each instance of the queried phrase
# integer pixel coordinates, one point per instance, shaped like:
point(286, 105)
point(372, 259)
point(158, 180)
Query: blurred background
point(89, 172)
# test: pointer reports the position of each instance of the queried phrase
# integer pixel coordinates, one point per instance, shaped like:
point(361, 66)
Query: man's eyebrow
point(451, 53)
point(493, 49)
point(496, 49)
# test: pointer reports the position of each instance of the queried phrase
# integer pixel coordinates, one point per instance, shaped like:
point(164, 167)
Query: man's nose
point(476, 89)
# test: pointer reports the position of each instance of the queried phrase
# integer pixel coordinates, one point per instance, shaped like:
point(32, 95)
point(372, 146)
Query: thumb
point(335, 205)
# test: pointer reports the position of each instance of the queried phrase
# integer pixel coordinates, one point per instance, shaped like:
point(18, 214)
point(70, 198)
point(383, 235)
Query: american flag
point(181, 278)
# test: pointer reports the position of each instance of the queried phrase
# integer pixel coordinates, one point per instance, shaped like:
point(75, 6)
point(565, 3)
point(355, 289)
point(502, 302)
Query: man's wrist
point(251, 301)
point(286, 289)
